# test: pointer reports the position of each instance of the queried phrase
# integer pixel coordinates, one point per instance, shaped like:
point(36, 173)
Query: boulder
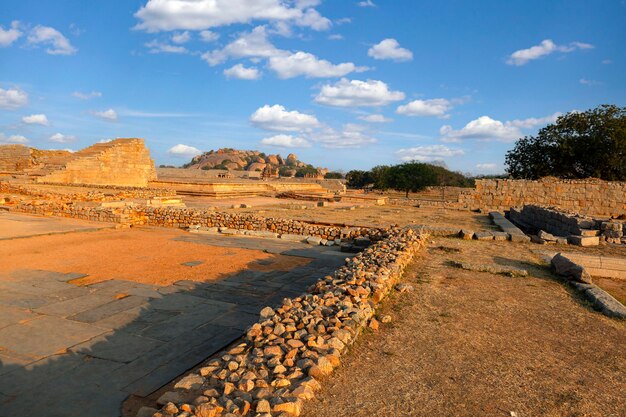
point(567, 268)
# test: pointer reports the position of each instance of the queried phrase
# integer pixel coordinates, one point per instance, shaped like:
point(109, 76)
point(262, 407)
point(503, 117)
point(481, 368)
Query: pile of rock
point(284, 356)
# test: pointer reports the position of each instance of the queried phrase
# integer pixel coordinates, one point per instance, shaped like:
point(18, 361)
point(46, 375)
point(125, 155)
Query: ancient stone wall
point(120, 162)
point(14, 158)
point(590, 196)
point(535, 218)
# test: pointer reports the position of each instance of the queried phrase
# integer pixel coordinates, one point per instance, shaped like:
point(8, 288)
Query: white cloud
point(607, 61)
point(180, 38)
point(311, 18)
point(428, 153)
point(36, 119)
point(8, 36)
point(157, 47)
point(208, 36)
point(12, 98)
point(487, 167)
point(61, 138)
point(242, 73)
point(57, 43)
point(355, 93)
point(375, 118)
point(366, 3)
point(590, 83)
point(303, 63)
point(486, 128)
point(249, 44)
point(390, 49)
point(438, 107)
point(350, 136)
point(183, 151)
point(546, 47)
point(166, 15)
point(335, 37)
point(13, 139)
point(286, 141)
point(109, 114)
point(86, 96)
point(277, 118)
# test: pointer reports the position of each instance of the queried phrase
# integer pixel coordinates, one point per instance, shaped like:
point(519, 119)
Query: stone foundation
point(590, 196)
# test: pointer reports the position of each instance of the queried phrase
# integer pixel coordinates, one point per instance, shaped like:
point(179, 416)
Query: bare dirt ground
point(477, 344)
point(146, 255)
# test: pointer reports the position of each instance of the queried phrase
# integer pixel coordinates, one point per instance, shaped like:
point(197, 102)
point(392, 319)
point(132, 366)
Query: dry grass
point(476, 344)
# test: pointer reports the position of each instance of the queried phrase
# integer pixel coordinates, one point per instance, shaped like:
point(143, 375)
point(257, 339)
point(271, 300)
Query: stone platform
point(68, 350)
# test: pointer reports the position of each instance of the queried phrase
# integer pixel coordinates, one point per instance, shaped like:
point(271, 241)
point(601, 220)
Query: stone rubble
point(283, 357)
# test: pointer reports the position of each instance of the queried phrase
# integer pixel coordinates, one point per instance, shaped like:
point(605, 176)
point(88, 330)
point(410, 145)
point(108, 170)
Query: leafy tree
point(333, 175)
point(309, 169)
point(579, 145)
point(359, 179)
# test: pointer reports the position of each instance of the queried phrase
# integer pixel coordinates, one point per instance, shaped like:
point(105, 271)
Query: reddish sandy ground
point(476, 344)
point(147, 255)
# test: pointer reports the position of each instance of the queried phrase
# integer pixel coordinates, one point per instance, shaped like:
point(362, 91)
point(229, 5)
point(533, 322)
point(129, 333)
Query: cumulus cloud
point(157, 47)
point(209, 36)
point(375, 118)
point(390, 49)
point(86, 96)
point(438, 107)
point(286, 141)
point(61, 138)
point(109, 114)
point(356, 93)
point(36, 119)
point(13, 139)
point(486, 128)
point(277, 118)
point(303, 63)
point(12, 98)
point(167, 15)
point(366, 3)
point(57, 43)
point(350, 136)
point(183, 151)
point(487, 166)
point(242, 73)
point(428, 153)
point(249, 44)
point(10, 35)
point(180, 38)
point(546, 47)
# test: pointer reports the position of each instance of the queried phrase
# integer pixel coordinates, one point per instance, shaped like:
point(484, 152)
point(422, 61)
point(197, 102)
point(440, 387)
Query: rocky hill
point(238, 160)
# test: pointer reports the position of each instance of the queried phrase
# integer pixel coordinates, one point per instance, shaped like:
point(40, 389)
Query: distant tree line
point(407, 177)
point(578, 145)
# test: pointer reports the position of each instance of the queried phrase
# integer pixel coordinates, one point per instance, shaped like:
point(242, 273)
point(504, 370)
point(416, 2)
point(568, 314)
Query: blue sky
point(343, 84)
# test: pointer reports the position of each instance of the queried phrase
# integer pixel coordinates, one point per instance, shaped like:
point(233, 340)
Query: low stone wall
point(284, 356)
point(590, 196)
point(97, 214)
point(117, 193)
point(14, 158)
point(535, 218)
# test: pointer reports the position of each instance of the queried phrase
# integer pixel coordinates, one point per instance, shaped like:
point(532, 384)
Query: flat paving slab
point(68, 350)
point(18, 225)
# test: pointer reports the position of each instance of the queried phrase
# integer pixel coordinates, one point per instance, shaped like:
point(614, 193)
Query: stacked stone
point(184, 218)
point(97, 214)
point(122, 193)
point(552, 220)
point(284, 356)
point(589, 196)
point(613, 232)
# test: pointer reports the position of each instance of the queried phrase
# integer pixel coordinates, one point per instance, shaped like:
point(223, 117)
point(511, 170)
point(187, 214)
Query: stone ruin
point(120, 162)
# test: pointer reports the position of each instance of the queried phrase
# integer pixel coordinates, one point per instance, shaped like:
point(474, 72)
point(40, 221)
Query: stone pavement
point(81, 351)
point(13, 225)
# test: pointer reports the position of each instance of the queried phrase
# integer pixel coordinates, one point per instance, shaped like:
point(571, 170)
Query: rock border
point(283, 357)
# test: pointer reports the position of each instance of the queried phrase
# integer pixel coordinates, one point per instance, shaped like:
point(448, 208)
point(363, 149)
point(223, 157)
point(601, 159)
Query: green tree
point(333, 175)
point(359, 179)
point(309, 169)
point(579, 145)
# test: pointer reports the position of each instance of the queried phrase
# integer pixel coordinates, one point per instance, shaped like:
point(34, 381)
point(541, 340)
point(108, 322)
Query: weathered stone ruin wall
point(14, 158)
point(557, 222)
point(116, 194)
point(184, 218)
point(120, 162)
point(589, 196)
point(283, 358)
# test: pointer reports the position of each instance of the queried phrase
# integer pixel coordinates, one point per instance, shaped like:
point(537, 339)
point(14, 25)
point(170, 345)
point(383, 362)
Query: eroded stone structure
point(14, 158)
point(120, 162)
point(589, 196)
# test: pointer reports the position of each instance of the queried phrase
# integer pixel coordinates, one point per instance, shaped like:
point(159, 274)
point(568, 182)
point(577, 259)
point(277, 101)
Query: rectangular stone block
point(583, 240)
